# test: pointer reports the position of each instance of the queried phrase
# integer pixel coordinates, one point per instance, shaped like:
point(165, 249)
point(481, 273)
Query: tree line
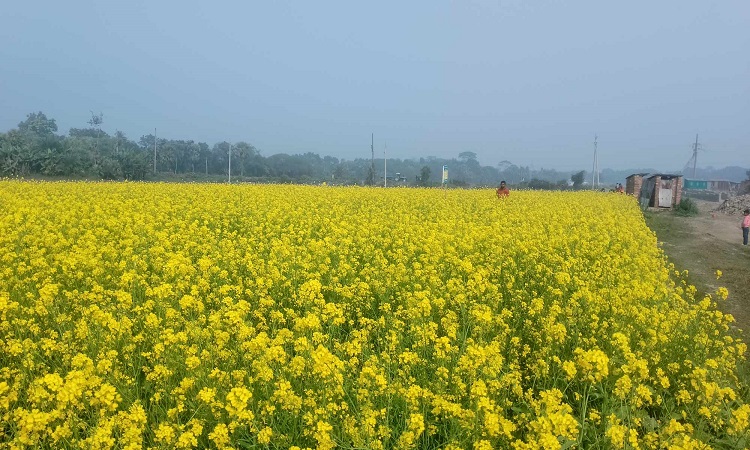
point(35, 148)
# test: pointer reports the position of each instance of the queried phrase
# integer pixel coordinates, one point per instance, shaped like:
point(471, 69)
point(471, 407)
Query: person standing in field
point(502, 191)
point(745, 226)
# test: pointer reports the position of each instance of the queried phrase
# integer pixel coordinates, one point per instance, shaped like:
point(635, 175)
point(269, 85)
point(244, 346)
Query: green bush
point(687, 207)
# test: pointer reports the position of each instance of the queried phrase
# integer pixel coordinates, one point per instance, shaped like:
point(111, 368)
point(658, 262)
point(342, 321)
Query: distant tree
point(119, 140)
point(257, 165)
point(243, 150)
point(536, 183)
point(38, 124)
point(12, 151)
point(327, 166)
point(310, 165)
point(77, 158)
point(468, 169)
point(109, 169)
point(204, 152)
point(511, 172)
point(424, 176)
point(340, 172)
point(35, 143)
point(35, 148)
point(135, 164)
point(577, 179)
point(166, 155)
point(96, 120)
point(193, 154)
point(503, 165)
point(219, 158)
point(87, 132)
point(467, 156)
point(96, 123)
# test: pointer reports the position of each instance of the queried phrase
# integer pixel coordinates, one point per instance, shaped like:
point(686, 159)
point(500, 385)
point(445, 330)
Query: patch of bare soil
point(704, 244)
point(712, 224)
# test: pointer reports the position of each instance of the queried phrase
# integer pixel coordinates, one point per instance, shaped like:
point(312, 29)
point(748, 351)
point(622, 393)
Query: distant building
point(397, 179)
point(659, 190)
point(713, 185)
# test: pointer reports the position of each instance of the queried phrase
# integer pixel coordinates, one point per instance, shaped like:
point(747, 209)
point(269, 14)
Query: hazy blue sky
point(530, 81)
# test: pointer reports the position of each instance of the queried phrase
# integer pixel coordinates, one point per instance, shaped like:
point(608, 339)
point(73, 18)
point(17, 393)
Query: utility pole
point(385, 166)
point(372, 163)
point(154, 151)
point(598, 172)
point(230, 163)
point(595, 171)
point(695, 154)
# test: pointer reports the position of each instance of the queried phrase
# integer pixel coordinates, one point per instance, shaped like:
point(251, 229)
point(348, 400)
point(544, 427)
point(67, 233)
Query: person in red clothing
point(502, 191)
point(745, 225)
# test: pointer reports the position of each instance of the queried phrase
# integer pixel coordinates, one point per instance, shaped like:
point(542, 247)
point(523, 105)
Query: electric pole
point(372, 162)
point(596, 146)
point(154, 151)
point(595, 171)
point(695, 154)
point(385, 166)
point(230, 163)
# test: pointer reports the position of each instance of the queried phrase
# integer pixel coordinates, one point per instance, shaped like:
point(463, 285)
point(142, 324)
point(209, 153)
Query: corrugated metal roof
point(665, 176)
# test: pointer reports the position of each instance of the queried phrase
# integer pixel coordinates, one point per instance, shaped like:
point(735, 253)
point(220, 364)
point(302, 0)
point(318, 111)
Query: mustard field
point(242, 316)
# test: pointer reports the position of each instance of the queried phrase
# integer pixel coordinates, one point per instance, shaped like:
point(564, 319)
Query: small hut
point(633, 184)
point(659, 190)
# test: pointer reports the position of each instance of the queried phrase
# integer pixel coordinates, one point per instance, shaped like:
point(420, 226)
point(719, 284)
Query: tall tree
point(243, 150)
point(12, 152)
point(370, 180)
point(424, 176)
point(220, 157)
point(38, 124)
point(119, 140)
point(467, 156)
point(204, 153)
point(39, 143)
point(577, 179)
point(96, 123)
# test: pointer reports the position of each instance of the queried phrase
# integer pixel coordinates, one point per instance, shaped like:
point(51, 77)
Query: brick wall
point(633, 185)
point(657, 187)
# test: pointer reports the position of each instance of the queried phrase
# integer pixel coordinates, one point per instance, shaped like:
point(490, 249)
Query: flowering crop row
point(196, 316)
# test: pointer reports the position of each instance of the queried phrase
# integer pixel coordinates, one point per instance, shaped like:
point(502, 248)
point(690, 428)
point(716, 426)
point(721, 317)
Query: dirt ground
point(702, 245)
